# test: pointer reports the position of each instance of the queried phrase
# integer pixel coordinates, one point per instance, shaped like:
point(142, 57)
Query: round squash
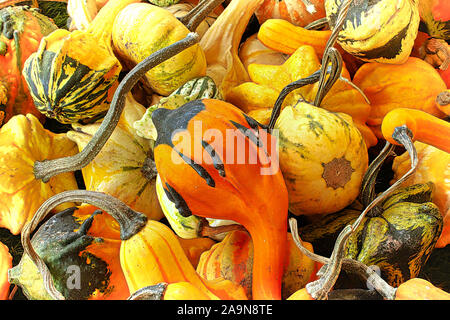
point(323, 158)
point(397, 236)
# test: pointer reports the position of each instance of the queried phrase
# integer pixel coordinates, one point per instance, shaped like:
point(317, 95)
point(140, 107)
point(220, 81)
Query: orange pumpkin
point(299, 12)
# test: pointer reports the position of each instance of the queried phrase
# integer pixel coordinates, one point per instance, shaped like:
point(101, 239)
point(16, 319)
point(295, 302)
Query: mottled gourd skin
point(22, 28)
point(381, 30)
point(133, 42)
point(73, 75)
point(323, 158)
point(83, 266)
point(69, 84)
point(397, 237)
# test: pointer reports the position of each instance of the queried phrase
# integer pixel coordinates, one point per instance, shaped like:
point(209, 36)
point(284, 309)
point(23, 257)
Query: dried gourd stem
point(325, 84)
point(313, 256)
point(318, 24)
point(367, 193)
point(194, 17)
point(129, 220)
point(285, 92)
point(155, 292)
point(354, 86)
point(436, 52)
point(48, 168)
point(13, 292)
point(367, 274)
point(329, 273)
point(188, 16)
point(207, 231)
point(402, 135)
point(342, 15)
point(372, 278)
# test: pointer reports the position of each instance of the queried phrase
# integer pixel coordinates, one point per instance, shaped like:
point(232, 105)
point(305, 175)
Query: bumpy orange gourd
point(23, 140)
point(414, 85)
point(299, 12)
point(5, 264)
point(232, 171)
point(23, 28)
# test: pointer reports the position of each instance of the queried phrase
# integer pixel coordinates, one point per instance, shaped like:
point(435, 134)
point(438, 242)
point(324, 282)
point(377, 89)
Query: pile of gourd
point(118, 172)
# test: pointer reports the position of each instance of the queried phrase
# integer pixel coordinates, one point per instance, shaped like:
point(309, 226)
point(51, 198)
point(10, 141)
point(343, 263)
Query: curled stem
point(403, 136)
point(350, 265)
point(129, 220)
point(342, 15)
point(334, 70)
point(48, 168)
point(325, 84)
point(367, 193)
point(318, 24)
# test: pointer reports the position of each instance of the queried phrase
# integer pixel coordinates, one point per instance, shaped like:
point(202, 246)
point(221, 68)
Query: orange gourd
point(231, 173)
point(285, 37)
point(299, 12)
point(414, 85)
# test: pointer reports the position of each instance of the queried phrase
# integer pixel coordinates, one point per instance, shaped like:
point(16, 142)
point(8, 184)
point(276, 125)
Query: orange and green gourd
point(22, 29)
point(251, 193)
point(66, 80)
